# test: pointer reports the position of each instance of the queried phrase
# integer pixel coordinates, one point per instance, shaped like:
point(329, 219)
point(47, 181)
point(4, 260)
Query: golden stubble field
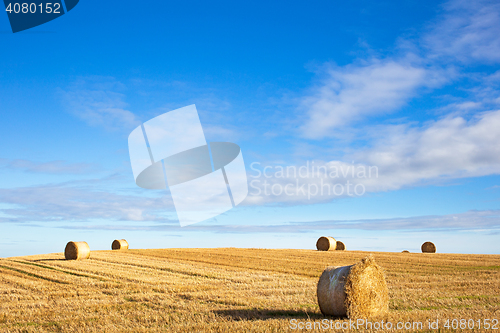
point(232, 290)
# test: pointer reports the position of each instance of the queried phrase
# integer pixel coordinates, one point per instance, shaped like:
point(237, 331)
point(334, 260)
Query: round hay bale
point(340, 246)
point(77, 251)
point(405, 251)
point(326, 243)
point(119, 244)
point(428, 247)
point(354, 291)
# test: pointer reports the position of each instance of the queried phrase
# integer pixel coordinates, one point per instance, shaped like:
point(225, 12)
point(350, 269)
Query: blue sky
point(411, 88)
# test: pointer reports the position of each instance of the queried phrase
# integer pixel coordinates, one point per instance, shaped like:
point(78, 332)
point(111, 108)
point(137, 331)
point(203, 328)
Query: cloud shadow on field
point(264, 314)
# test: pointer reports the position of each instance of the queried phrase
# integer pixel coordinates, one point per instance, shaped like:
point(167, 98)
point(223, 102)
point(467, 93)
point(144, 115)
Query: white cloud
point(51, 167)
point(463, 143)
point(98, 102)
point(452, 147)
point(486, 221)
point(219, 133)
point(400, 156)
point(354, 92)
point(51, 203)
point(468, 31)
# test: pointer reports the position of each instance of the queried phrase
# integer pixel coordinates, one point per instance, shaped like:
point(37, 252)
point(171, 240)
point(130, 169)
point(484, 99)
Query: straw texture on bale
point(340, 246)
point(326, 243)
point(428, 247)
point(77, 251)
point(405, 251)
point(356, 291)
point(119, 244)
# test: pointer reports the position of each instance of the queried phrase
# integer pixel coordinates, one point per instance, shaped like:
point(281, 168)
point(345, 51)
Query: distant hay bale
point(428, 247)
point(405, 251)
point(119, 244)
point(340, 246)
point(77, 251)
point(326, 243)
point(354, 291)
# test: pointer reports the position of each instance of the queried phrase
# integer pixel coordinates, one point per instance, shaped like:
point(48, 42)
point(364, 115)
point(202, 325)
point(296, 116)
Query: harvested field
point(229, 290)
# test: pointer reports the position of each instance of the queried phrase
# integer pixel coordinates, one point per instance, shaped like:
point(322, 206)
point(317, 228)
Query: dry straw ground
point(228, 290)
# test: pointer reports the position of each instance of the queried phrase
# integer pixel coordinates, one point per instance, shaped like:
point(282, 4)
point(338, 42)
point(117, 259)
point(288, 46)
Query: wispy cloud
point(353, 92)
point(400, 156)
point(467, 31)
point(61, 202)
point(51, 167)
point(462, 142)
point(99, 102)
point(452, 147)
point(216, 115)
point(485, 220)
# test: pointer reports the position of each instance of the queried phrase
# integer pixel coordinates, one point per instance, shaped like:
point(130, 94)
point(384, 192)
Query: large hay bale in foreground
point(428, 247)
point(119, 244)
point(326, 243)
point(77, 251)
point(340, 246)
point(356, 291)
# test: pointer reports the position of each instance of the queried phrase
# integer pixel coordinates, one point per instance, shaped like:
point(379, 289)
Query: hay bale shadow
point(265, 314)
